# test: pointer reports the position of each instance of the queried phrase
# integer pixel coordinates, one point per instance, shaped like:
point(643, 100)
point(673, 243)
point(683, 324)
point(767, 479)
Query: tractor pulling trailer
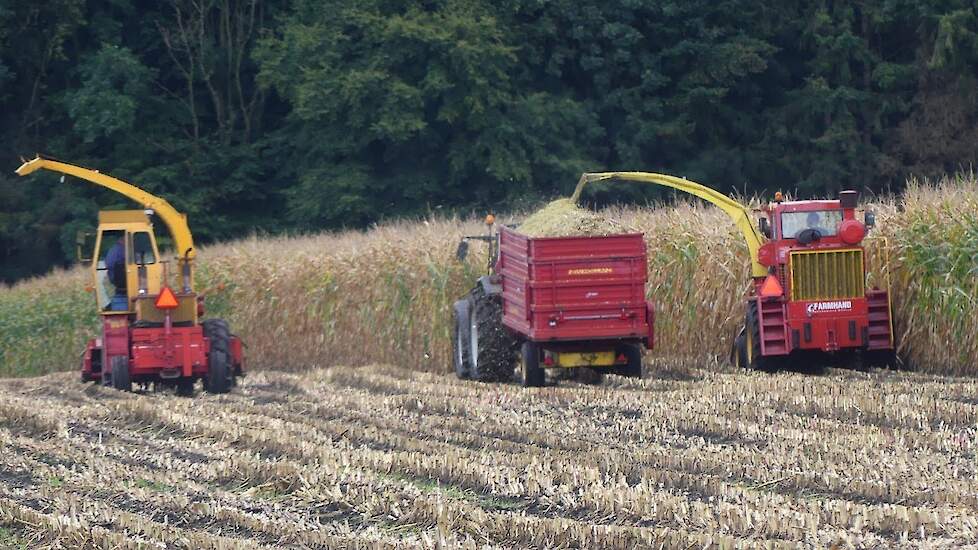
point(150, 332)
point(580, 301)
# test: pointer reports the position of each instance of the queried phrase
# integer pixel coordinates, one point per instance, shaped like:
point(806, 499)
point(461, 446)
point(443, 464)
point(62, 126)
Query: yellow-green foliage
point(385, 295)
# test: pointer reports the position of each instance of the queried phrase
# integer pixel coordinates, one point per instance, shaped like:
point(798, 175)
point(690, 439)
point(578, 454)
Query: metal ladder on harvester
point(774, 336)
point(880, 306)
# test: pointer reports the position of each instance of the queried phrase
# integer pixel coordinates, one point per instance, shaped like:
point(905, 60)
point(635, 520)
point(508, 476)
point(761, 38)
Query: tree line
point(298, 115)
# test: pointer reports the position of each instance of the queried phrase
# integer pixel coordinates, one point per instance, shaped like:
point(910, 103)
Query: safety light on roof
point(771, 287)
point(166, 299)
point(778, 197)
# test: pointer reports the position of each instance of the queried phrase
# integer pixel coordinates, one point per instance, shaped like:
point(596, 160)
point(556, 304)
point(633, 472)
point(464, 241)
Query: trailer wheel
point(491, 348)
point(220, 374)
point(460, 339)
point(120, 373)
point(531, 375)
point(752, 345)
point(633, 365)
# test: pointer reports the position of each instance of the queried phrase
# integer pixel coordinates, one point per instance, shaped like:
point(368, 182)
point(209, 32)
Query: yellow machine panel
point(122, 217)
point(587, 359)
point(187, 310)
point(827, 274)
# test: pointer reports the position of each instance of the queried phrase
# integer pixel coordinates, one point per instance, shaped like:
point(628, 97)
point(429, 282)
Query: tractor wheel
point(531, 374)
point(185, 387)
point(752, 342)
point(491, 348)
point(460, 339)
point(120, 373)
point(220, 374)
point(633, 367)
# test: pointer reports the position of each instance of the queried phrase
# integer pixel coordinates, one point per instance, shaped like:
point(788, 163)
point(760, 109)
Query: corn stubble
point(385, 457)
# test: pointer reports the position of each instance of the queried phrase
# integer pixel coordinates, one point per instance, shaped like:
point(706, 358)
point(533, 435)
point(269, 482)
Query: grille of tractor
point(827, 275)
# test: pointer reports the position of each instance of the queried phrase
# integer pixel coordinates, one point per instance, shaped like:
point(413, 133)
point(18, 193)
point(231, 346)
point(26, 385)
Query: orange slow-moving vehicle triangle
point(166, 299)
point(771, 287)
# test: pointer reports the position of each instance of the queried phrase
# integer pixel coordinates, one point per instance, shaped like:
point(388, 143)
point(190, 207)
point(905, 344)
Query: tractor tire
point(633, 367)
point(492, 349)
point(460, 339)
point(531, 374)
point(753, 359)
point(220, 373)
point(120, 373)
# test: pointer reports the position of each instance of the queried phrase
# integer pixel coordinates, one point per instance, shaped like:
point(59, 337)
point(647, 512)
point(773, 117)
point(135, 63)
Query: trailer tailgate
point(575, 288)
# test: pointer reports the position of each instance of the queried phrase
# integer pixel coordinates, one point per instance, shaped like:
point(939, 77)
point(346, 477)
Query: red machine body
point(584, 291)
point(823, 303)
point(154, 353)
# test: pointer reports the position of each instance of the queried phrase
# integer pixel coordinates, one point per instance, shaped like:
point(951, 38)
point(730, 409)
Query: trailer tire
point(491, 348)
point(752, 346)
point(120, 373)
point(460, 339)
point(633, 364)
point(220, 374)
point(531, 374)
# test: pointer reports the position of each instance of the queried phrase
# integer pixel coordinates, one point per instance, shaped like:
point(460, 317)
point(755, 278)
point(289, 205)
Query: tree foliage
point(277, 115)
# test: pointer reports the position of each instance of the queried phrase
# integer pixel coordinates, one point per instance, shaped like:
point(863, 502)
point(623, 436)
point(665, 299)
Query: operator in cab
point(115, 265)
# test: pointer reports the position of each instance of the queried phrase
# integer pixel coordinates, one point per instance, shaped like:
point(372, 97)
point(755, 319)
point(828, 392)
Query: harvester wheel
point(531, 375)
point(752, 344)
point(460, 339)
point(633, 367)
point(120, 373)
point(738, 355)
point(491, 348)
point(220, 374)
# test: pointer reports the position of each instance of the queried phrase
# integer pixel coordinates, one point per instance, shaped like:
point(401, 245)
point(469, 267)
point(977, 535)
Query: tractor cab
point(125, 260)
point(816, 223)
point(128, 272)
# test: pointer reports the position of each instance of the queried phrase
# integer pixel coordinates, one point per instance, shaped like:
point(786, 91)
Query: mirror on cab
point(869, 219)
point(765, 226)
point(84, 244)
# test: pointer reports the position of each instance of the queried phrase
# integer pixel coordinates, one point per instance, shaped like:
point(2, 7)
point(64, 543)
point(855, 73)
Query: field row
point(387, 457)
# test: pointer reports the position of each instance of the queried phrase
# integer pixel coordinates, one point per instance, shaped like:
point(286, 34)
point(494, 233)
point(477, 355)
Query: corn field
point(384, 295)
point(385, 457)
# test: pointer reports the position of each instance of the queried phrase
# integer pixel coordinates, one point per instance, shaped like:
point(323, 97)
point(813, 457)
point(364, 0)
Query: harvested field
point(389, 457)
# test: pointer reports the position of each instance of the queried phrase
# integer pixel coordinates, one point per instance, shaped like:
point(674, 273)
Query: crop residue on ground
point(387, 457)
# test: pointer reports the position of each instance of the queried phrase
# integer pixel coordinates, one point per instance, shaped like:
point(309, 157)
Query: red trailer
point(563, 302)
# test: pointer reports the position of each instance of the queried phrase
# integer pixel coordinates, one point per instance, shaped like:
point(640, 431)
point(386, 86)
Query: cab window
point(142, 249)
point(109, 240)
point(825, 221)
